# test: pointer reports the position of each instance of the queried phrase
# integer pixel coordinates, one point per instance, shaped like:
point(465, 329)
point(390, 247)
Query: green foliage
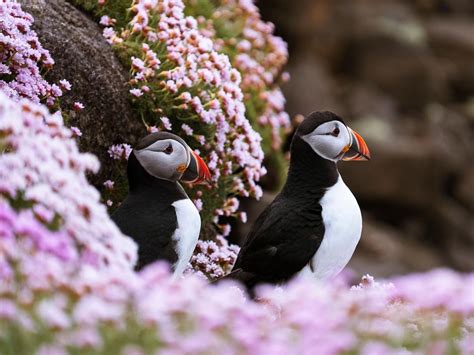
point(117, 9)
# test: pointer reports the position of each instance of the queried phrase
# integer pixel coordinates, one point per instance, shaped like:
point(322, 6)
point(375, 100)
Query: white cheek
point(156, 164)
point(326, 146)
point(148, 160)
point(162, 165)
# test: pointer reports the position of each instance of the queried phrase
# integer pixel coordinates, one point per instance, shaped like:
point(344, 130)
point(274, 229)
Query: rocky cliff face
point(401, 72)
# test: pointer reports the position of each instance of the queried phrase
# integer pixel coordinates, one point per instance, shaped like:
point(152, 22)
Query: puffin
point(157, 213)
point(313, 226)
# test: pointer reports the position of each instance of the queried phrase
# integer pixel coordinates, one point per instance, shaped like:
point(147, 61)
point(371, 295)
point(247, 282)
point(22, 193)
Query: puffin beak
point(357, 150)
point(197, 171)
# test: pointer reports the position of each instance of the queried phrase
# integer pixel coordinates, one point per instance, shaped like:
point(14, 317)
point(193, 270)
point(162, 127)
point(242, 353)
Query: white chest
point(187, 233)
point(343, 227)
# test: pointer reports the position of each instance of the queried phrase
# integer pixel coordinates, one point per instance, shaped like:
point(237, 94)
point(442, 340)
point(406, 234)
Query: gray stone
point(383, 251)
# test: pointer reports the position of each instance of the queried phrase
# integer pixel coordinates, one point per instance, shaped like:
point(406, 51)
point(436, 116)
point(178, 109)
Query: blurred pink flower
point(120, 151)
point(78, 106)
point(76, 132)
point(136, 92)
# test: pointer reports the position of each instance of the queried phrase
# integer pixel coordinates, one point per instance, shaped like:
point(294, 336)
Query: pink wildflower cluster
point(120, 151)
point(256, 53)
point(22, 58)
point(150, 312)
point(213, 258)
point(43, 172)
point(28, 245)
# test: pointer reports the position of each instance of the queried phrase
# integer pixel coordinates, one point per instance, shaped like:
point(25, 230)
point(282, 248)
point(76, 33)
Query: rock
point(382, 43)
point(414, 163)
point(454, 227)
point(452, 41)
point(319, 88)
point(98, 79)
point(383, 251)
point(411, 183)
point(464, 189)
point(365, 101)
point(403, 172)
point(445, 7)
point(404, 71)
point(305, 19)
point(452, 133)
point(388, 49)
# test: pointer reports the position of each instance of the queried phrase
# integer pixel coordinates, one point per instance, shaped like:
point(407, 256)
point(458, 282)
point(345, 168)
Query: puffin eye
point(335, 132)
point(169, 149)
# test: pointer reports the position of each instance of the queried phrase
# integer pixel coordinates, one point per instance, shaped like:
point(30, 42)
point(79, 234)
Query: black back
point(147, 215)
point(315, 119)
point(153, 137)
point(290, 230)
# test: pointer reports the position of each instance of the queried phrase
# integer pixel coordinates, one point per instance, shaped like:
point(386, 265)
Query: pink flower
point(76, 132)
point(8, 310)
point(136, 92)
point(53, 315)
point(111, 36)
point(65, 85)
point(107, 21)
point(52, 349)
point(285, 76)
point(138, 64)
point(109, 185)
point(119, 151)
point(186, 129)
point(56, 90)
point(78, 106)
point(198, 204)
point(166, 123)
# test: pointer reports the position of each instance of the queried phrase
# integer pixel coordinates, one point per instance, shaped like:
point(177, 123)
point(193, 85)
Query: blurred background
point(402, 74)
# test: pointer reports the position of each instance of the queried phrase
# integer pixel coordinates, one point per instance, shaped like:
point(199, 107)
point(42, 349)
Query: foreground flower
point(98, 312)
point(43, 173)
point(213, 259)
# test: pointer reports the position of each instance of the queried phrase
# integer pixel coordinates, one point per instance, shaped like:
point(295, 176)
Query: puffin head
point(166, 156)
point(331, 138)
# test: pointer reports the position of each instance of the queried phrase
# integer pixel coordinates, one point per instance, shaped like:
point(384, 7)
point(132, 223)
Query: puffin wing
point(282, 241)
point(151, 228)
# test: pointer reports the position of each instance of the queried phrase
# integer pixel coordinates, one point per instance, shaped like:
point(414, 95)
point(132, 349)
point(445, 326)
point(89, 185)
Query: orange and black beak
point(197, 171)
point(357, 149)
